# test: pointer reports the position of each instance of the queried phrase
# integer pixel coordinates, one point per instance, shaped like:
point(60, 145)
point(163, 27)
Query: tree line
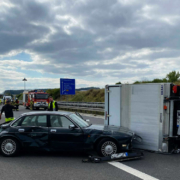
point(171, 77)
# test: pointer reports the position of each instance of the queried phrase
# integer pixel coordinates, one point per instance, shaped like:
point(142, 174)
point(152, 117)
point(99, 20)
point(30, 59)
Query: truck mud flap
point(124, 156)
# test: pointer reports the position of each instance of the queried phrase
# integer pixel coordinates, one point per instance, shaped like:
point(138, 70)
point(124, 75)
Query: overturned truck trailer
point(150, 110)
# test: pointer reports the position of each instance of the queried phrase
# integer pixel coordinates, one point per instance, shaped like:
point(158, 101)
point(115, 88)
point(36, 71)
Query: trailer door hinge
point(109, 91)
point(108, 115)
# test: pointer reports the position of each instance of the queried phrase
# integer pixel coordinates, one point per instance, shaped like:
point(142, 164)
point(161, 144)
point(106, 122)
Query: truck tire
point(9, 147)
point(106, 147)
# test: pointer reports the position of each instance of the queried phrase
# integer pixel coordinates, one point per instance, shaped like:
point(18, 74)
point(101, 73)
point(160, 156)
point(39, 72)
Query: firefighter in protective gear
point(17, 104)
point(8, 110)
point(52, 105)
point(31, 105)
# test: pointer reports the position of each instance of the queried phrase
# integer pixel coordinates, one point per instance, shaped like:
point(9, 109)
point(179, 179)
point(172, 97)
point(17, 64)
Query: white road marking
point(132, 171)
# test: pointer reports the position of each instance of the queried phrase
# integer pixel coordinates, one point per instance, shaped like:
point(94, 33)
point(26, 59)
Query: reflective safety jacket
point(53, 106)
point(9, 119)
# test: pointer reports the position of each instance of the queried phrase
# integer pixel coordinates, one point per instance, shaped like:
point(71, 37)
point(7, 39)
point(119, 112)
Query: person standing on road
point(53, 106)
point(31, 105)
point(8, 109)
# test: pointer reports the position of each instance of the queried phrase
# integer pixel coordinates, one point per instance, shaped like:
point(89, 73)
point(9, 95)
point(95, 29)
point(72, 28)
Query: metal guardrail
point(82, 104)
point(91, 106)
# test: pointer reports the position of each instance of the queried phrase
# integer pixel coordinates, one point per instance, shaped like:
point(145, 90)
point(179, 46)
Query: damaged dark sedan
point(62, 131)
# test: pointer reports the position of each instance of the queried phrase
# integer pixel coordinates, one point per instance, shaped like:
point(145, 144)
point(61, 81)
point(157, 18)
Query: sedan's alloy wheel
point(8, 146)
point(108, 148)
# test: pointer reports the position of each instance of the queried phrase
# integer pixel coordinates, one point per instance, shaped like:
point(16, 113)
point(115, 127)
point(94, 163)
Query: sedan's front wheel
point(107, 147)
point(9, 147)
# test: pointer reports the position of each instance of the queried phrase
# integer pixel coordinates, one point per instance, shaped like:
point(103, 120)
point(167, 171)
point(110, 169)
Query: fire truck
point(39, 98)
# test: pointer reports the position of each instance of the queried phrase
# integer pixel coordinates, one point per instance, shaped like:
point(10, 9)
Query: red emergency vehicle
point(39, 98)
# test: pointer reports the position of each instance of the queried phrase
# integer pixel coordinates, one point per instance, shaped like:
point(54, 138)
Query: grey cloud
point(16, 30)
point(102, 25)
point(93, 71)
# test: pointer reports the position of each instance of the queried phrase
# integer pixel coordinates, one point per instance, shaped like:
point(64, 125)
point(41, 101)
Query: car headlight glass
point(124, 145)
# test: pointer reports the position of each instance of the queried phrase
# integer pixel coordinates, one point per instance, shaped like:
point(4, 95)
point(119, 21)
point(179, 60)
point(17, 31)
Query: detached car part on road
point(62, 131)
point(124, 156)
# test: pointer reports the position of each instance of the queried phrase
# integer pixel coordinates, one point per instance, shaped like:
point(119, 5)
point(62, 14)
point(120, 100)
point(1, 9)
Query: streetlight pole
point(24, 83)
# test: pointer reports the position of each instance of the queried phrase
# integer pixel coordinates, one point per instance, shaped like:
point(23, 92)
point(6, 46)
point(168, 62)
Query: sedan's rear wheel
point(9, 147)
point(107, 147)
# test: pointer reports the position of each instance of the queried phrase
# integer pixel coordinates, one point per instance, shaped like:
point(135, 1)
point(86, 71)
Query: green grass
point(92, 95)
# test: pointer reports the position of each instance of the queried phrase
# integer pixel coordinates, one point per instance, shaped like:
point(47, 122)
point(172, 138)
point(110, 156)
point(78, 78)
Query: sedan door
point(61, 137)
point(33, 132)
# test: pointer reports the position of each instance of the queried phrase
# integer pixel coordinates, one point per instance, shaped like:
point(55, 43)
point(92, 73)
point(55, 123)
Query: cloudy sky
point(97, 42)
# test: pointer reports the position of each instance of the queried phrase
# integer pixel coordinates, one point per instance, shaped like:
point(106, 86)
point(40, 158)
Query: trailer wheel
point(106, 147)
point(9, 147)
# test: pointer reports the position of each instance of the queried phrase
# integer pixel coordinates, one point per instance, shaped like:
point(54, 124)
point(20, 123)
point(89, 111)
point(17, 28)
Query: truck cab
point(36, 98)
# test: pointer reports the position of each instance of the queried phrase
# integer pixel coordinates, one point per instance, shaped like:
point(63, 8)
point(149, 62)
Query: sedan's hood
point(114, 130)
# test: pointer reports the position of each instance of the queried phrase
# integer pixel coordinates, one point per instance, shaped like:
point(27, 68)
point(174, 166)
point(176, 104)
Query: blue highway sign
point(67, 86)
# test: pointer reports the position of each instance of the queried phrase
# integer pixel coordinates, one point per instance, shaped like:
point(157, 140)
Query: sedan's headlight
point(124, 145)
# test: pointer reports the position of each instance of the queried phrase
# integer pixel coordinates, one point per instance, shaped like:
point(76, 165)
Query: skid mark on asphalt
point(132, 171)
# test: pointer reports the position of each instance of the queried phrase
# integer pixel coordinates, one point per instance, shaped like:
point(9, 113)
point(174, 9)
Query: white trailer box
point(150, 110)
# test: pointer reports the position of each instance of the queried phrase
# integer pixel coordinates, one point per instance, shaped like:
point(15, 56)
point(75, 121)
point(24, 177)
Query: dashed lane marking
point(132, 171)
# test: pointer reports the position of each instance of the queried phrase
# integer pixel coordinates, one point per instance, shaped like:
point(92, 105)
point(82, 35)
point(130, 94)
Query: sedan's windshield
point(79, 121)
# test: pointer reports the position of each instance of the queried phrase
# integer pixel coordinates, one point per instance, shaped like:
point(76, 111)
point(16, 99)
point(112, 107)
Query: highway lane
point(94, 119)
point(43, 166)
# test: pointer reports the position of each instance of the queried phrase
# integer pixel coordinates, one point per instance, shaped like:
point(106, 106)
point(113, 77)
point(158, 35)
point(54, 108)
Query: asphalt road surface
point(68, 166)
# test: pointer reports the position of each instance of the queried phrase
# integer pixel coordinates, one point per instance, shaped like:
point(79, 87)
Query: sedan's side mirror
point(87, 120)
point(72, 126)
